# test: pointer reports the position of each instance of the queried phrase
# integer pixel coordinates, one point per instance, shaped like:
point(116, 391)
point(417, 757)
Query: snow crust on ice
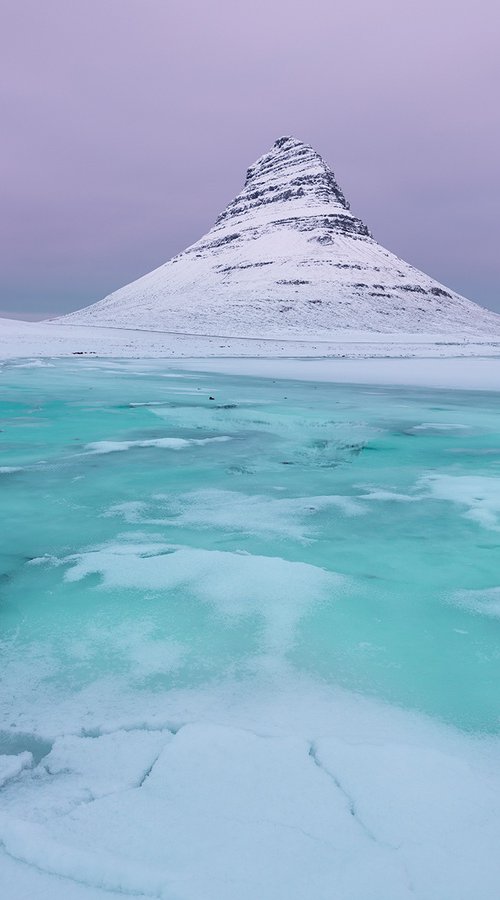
point(222, 787)
point(278, 789)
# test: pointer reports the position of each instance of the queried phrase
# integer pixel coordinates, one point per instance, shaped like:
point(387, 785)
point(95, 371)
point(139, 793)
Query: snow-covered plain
point(358, 357)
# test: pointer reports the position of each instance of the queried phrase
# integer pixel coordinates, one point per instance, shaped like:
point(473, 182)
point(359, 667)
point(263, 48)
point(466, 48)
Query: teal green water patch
point(165, 529)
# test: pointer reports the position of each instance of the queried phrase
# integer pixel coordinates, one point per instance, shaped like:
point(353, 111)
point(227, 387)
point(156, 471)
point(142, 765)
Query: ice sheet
point(225, 672)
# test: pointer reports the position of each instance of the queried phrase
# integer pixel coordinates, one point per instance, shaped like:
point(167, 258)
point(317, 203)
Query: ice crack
point(351, 805)
point(150, 768)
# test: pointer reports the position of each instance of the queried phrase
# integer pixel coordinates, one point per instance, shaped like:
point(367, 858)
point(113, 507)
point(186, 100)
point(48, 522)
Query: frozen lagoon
point(249, 643)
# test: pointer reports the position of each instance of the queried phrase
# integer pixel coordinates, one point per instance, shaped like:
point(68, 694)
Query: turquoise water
point(156, 536)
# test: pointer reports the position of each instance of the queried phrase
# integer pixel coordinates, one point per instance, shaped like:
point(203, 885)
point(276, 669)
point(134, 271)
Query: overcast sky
point(127, 125)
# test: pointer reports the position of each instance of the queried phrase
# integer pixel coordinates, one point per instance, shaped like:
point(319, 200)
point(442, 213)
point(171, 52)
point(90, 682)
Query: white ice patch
point(478, 494)
point(237, 585)
point(483, 602)
point(235, 511)
point(161, 443)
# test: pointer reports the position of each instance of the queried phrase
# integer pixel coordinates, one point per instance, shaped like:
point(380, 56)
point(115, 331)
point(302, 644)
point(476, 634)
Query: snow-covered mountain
point(287, 256)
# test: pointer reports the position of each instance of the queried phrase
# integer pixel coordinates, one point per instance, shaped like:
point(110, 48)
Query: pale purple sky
point(127, 125)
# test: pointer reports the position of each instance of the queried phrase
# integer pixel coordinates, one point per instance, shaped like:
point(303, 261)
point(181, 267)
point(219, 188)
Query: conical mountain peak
point(287, 257)
point(303, 166)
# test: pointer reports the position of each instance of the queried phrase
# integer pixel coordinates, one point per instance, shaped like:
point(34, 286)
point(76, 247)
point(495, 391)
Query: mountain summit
point(294, 174)
point(287, 257)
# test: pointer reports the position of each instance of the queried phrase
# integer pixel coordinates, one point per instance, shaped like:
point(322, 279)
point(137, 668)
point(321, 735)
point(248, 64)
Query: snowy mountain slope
point(287, 257)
